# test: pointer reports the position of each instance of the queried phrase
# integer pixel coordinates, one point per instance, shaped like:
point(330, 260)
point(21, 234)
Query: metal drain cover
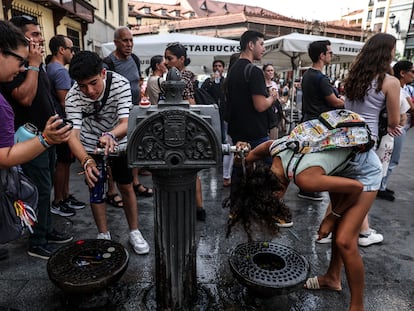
point(86, 266)
point(267, 269)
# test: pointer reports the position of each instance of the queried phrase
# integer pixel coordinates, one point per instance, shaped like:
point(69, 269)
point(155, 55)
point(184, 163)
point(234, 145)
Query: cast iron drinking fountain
point(174, 141)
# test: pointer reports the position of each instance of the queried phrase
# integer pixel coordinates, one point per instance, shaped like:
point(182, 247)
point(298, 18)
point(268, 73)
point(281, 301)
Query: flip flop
point(313, 283)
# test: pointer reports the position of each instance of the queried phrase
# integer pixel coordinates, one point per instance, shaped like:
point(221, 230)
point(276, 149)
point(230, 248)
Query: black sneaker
point(385, 195)
point(201, 214)
point(390, 191)
point(314, 196)
point(62, 209)
point(74, 203)
point(58, 237)
point(40, 251)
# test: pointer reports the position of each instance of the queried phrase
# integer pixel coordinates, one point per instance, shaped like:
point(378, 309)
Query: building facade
point(70, 18)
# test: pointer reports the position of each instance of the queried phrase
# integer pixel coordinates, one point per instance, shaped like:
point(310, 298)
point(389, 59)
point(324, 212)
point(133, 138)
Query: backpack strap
point(248, 72)
point(104, 98)
point(111, 66)
point(109, 62)
point(137, 62)
point(293, 165)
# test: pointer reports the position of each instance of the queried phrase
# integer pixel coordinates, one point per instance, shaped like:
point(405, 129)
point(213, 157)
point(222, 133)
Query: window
point(74, 36)
point(147, 10)
point(378, 27)
point(369, 17)
point(380, 12)
point(163, 12)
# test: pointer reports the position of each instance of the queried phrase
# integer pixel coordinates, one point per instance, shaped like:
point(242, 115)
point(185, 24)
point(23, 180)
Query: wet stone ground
point(389, 267)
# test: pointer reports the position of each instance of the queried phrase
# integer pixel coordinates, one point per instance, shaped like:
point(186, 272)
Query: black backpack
point(202, 97)
point(107, 60)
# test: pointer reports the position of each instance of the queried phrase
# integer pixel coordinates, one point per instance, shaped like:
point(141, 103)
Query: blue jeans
point(41, 171)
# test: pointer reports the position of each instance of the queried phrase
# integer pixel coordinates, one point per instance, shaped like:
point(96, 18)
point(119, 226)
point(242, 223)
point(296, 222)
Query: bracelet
point(85, 166)
point(46, 140)
point(336, 214)
point(110, 134)
point(88, 157)
point(33, 68)
point(43, 141)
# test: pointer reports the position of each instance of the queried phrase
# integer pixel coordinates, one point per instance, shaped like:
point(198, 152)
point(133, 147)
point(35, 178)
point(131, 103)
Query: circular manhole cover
point(86, 266)
point(267, 268)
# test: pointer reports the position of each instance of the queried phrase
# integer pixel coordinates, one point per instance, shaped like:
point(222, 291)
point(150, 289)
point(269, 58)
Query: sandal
point(115, 200)
point(313, 283)
point(226, 182)
point(146, 193)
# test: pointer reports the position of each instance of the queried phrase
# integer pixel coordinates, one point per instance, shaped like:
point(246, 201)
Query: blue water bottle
point(97, 192)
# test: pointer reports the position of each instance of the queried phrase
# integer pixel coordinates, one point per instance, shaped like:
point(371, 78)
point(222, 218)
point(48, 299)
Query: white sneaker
point(370, 238)
point(138, 242)
point(325, 240)
point(103, 236)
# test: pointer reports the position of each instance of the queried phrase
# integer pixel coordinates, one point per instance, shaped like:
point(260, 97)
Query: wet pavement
point(389, 266)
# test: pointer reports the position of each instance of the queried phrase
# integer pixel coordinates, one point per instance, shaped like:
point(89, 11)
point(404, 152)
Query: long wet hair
point(372, 62)
point(255, 200)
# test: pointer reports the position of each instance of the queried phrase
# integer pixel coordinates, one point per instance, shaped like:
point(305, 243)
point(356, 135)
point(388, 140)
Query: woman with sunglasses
point(176, 56)
point(13, 54)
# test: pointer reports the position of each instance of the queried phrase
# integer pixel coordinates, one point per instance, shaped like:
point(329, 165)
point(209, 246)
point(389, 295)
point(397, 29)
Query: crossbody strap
point(104, 98)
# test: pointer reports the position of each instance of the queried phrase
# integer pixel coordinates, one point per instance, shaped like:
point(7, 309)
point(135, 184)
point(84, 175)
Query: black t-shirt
point(215, 89)
point(315, 86)
point(42, 107)
point(246, 123)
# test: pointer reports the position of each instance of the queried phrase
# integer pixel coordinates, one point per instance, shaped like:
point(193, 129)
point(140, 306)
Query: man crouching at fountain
point(332, 171)
point(99, 104)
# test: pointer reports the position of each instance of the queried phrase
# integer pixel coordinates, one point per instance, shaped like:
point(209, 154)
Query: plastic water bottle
point(97, 192)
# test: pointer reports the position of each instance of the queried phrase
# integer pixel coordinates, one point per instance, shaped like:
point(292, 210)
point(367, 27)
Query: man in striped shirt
point(99, 104)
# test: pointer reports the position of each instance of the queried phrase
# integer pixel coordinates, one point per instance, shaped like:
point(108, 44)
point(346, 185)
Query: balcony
point(79, 10)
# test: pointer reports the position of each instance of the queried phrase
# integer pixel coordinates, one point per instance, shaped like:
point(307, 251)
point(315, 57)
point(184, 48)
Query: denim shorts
point(366, 168)
point(121, 173)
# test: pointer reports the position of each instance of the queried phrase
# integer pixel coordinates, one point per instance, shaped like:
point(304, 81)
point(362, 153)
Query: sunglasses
point(176, 44)
point(19, 58)
point(72, 49)
point(329, 52)
point(28, 18)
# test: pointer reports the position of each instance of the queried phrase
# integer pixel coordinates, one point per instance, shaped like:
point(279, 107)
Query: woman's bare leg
point(346, 241)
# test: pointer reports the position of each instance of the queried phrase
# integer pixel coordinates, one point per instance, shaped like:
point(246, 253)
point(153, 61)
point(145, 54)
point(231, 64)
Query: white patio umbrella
point(291, 52)
point(202, 50)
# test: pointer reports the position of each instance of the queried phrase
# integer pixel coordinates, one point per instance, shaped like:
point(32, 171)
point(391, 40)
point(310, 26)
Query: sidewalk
point(389, 266)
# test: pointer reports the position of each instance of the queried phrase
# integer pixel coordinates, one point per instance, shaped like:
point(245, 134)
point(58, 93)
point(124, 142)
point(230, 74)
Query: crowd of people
point(94, 97)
